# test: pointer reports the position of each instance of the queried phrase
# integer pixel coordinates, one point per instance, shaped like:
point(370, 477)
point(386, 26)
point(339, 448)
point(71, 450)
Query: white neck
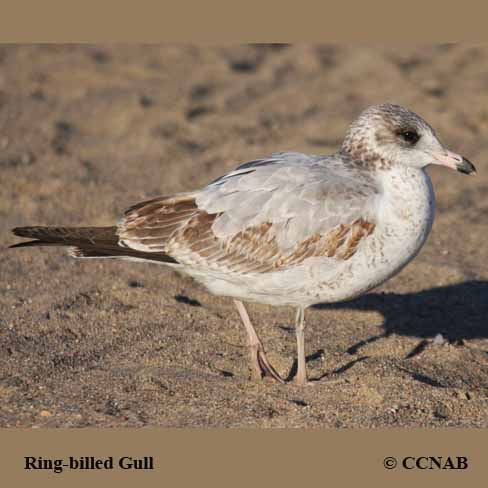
point(407, 207)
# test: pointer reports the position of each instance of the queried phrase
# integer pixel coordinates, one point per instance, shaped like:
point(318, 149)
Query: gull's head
point(387, 135)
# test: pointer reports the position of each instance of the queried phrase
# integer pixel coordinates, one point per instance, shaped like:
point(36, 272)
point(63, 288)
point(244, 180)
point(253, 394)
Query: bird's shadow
point(457, 312)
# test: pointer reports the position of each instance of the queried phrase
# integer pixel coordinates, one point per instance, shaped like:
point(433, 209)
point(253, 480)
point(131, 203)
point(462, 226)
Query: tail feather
point(101, 252)
point(69, 235)
point(85, 242)
point(34, 243)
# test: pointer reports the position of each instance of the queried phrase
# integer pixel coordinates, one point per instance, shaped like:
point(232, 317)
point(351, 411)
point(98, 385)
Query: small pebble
point(136, 284)
point(146, 101)
point(439, 340)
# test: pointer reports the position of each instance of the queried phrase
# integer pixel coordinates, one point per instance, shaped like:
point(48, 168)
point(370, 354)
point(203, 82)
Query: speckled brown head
point(387, 135)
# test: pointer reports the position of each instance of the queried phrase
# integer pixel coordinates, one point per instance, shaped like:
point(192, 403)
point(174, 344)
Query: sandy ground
point(86, 131)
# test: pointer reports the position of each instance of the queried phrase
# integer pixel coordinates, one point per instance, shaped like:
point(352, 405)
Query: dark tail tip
point(26, 244)
point(23, 231)
point(26, 232)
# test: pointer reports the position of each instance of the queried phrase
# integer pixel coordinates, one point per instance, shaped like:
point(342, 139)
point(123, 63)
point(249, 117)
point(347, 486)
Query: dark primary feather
point(85, 242)
point(67, 236)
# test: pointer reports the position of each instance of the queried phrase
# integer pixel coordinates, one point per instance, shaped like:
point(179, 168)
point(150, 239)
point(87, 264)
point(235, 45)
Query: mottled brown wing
point(256, 249)
point(175, 226)
point(149, 226)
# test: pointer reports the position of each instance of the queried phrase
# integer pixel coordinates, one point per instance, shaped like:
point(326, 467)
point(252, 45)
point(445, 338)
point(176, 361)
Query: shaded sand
point(87, 131)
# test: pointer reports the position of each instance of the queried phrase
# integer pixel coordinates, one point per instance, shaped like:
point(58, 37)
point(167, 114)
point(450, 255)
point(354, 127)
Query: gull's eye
point(410, 136)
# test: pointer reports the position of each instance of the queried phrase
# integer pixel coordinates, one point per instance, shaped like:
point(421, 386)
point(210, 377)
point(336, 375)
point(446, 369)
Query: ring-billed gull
point(291, 229)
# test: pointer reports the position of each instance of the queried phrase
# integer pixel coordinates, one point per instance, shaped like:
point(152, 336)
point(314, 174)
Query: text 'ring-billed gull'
point(292, 229)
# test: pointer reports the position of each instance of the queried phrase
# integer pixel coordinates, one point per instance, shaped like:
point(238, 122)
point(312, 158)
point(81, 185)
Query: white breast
point(406, 213)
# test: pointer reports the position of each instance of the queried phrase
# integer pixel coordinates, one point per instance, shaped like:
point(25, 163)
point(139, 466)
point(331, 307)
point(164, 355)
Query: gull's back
point(299, 195)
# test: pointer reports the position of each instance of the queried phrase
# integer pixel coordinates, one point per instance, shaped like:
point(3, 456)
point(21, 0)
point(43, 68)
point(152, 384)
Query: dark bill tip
point(466, 167)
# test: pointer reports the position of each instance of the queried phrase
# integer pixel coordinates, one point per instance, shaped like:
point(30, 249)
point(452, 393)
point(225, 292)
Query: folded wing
point(264, 216)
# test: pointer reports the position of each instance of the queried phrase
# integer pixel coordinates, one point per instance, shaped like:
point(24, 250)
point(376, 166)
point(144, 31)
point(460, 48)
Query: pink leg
point(260, 366)
point(301, 377)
